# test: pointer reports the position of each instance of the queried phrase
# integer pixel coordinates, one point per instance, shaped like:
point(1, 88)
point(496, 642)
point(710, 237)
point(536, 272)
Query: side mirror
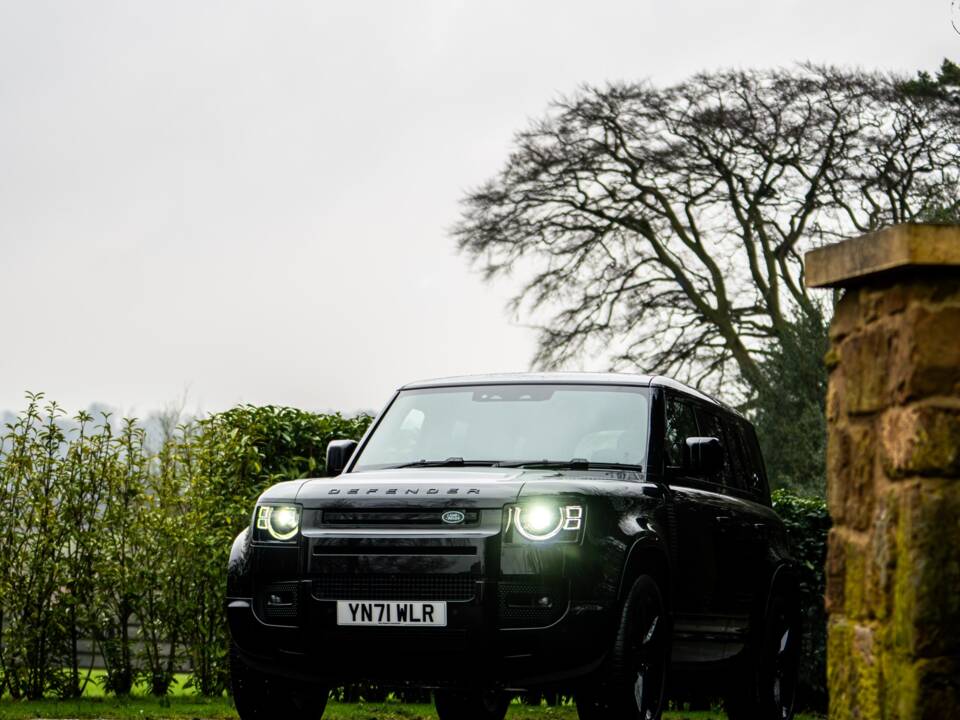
point(702, 456)
point(338, 455)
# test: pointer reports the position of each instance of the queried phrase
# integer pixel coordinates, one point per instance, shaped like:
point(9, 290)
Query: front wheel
point(471, 705)
point(636, 689)
point(259, 696)
point(768, 688)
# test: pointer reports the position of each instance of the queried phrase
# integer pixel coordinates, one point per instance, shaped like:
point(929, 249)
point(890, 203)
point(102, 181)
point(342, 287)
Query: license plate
point(389, 612)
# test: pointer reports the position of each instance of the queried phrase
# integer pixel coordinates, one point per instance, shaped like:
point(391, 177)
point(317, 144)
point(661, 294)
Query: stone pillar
point(893, 476)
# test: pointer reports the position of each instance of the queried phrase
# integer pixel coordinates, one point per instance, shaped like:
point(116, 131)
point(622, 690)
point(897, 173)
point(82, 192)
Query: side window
point(738, 458)
point(711, 426)
point(756, 473)
point(680, 424)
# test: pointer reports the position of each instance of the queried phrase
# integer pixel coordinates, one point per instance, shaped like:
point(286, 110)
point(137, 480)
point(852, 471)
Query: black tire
point(470, 704)
point(766, 689)
point(259, 696)
point(637, 673)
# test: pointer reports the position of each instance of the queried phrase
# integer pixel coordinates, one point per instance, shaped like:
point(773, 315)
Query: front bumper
point(516, 616)
point(473, 647)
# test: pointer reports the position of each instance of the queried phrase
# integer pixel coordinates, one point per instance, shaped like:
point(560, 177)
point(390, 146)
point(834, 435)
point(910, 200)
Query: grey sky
point(250, 200)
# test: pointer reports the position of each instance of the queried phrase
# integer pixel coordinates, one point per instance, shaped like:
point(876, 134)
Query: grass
point(182, 703)
point(196, 708)
point(183, 706)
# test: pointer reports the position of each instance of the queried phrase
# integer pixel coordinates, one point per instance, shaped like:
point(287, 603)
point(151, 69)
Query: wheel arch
point(238, 567)
point(784, 579)
point(647, 556)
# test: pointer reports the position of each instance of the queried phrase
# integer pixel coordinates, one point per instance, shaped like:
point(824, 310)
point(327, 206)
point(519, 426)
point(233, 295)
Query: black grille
point(278, 603)
point(395, 587)
point(368, 547)
point(412, 518)
point(527, 604)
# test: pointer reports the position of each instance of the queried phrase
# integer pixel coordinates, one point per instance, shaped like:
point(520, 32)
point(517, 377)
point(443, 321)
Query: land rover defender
point(596, 534)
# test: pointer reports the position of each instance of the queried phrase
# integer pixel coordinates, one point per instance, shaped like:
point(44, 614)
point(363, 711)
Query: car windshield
point(511, 424)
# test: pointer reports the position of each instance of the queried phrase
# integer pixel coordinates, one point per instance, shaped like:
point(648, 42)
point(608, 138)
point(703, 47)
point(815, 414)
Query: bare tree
point(663, 228)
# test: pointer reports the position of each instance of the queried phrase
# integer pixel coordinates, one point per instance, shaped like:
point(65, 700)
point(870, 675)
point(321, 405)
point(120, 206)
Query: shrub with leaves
point(163, 572)
point(50, 496)
point(103, 537)
point(237, 455)
point(807, 522)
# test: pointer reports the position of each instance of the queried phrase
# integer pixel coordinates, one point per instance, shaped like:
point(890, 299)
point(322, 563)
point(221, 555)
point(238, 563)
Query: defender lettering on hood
point(403, 491)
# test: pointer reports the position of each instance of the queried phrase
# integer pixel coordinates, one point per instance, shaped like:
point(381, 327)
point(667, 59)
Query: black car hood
point(461, 487)
point(482, 487)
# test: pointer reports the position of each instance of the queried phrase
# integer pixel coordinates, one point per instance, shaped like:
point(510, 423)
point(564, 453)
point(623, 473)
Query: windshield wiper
point(449, 462)
point(573, 464)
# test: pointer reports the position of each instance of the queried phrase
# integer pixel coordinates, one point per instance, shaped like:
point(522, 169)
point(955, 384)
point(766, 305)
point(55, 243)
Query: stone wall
point(893, 408)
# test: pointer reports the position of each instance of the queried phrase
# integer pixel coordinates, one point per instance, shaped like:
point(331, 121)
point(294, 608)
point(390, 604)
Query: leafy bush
point(51, 499)
point(102, 537)
point(807, 522)
point(236, 455)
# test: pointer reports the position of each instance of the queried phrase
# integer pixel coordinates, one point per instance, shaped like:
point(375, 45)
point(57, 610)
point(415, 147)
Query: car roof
point(565, 378)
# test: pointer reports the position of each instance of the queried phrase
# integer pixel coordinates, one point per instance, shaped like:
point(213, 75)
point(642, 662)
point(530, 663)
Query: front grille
point(398, 518)
point(379, 547)
point(395, 587)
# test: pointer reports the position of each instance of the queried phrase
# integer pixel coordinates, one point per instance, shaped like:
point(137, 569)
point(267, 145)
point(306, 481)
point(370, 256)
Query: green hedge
point(808, 523)
point(97, 530)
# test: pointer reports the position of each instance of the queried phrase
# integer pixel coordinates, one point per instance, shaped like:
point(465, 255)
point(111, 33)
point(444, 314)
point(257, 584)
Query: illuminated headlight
point(280, 522)
point(545, 520)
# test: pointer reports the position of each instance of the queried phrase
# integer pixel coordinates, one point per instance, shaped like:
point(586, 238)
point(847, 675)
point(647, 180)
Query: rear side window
point(681, 424)
point(738, 457)
point(756, 477)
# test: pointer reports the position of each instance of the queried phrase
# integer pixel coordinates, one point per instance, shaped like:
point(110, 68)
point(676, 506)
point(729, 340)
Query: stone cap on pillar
point(891, 250)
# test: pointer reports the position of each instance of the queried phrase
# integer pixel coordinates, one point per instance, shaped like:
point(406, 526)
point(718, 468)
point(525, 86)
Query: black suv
point(587, 533)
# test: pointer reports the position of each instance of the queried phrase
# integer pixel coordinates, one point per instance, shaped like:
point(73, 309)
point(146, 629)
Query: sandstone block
point(846, 316)
point(854, 671)
point(836, 571)
point(865, 361)
point(926, 612)
point(928, 361)
point(850, 464)
point(882, 549)
point(921, 440)
point(882, 301)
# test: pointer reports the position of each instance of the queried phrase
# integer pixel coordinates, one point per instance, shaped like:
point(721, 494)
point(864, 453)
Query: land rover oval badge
point(453, 517)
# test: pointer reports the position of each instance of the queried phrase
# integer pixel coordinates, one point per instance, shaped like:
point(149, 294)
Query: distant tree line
point(100, 533)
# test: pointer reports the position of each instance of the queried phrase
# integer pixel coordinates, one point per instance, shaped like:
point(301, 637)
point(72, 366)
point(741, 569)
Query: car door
point(697, 613)
point(758, 517)
point(729, 515)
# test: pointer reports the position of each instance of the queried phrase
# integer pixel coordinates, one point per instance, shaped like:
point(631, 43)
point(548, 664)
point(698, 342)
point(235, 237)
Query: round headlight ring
point(282, 522)
point(550, 530)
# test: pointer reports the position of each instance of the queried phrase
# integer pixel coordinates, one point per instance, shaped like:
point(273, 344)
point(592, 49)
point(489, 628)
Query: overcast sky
point(250, 201)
